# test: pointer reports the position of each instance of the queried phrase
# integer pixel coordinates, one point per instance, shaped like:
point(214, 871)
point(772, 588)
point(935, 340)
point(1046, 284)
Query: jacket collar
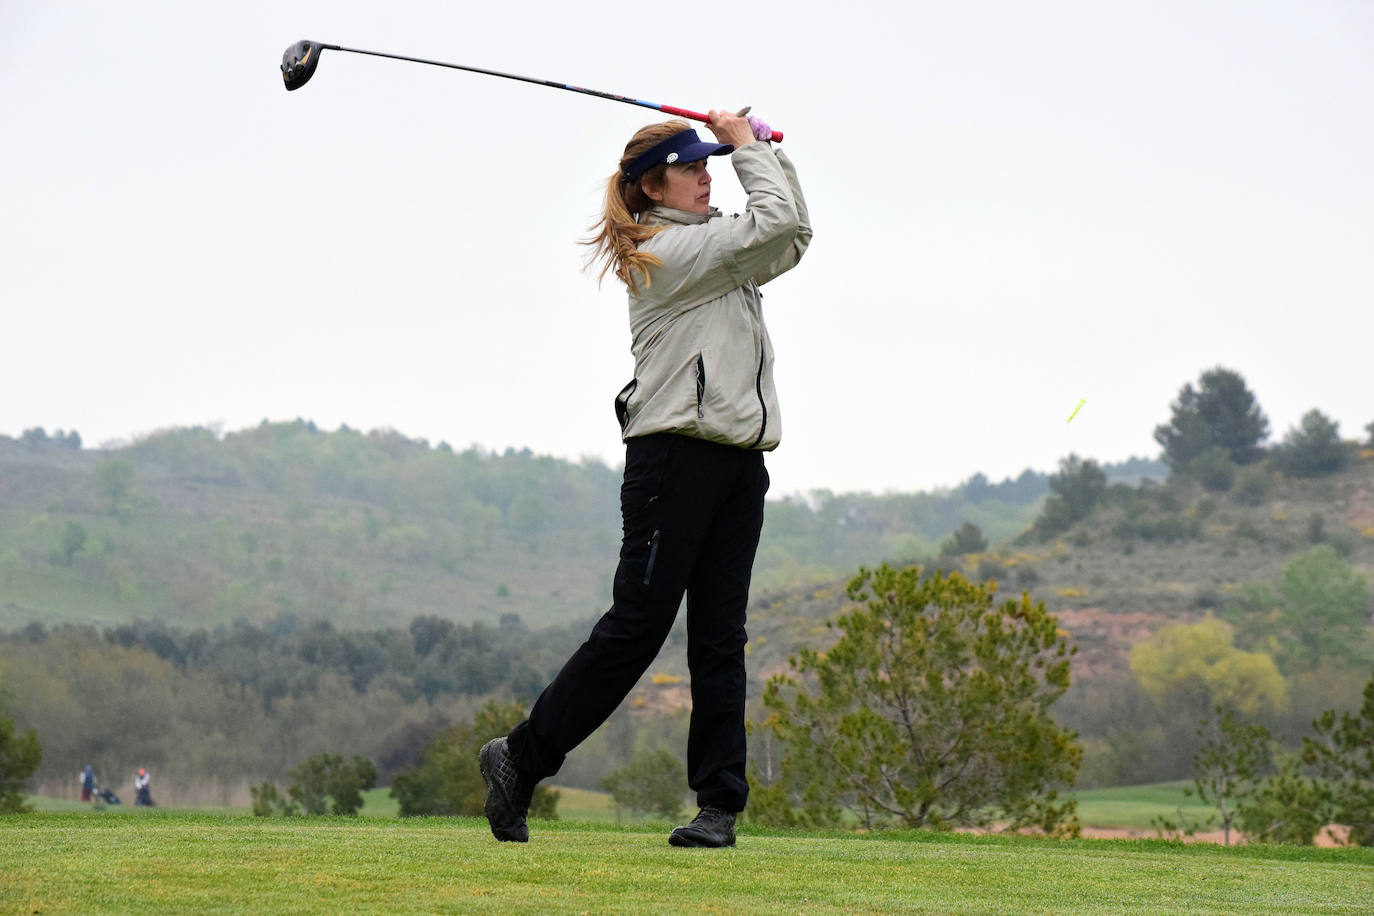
point(660, 215)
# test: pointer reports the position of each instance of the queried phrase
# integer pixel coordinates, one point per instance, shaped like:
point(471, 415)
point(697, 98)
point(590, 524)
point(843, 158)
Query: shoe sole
point(684, 842)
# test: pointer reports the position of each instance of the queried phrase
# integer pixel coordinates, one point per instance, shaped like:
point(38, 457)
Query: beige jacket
point(703, 360)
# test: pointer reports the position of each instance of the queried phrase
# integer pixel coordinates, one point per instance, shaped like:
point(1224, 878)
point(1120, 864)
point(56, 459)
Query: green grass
point(573, 804)
point(1131, 807)
point(1134, 807)
point(379, 803)
point(45, 804)
point(174, 862)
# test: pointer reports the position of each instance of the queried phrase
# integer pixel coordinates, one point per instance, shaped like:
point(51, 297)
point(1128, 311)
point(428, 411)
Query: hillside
point(372, 529)
point(1176, 551)
point(360, 529)
point(1147, 556)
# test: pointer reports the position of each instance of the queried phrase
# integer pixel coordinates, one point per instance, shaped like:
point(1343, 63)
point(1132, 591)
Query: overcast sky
point(1015, 206)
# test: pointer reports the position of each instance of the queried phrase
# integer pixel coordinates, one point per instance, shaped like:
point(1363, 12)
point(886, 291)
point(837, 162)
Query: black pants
point(692, 512)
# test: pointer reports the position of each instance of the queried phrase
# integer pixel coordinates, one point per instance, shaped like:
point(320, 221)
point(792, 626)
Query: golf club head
point(299, 62)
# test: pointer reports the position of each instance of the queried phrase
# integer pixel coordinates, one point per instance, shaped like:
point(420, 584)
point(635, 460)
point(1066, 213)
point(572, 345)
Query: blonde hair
point(618, 234)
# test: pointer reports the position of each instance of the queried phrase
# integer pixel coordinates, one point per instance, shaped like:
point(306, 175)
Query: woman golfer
point(696, 420)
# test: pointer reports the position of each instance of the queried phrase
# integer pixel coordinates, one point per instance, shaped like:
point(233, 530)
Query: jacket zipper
point(701, 386)
point(653, 555)
point(763, 405)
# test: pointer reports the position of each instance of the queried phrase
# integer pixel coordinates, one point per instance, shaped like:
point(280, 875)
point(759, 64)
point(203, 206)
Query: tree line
point(215, 709)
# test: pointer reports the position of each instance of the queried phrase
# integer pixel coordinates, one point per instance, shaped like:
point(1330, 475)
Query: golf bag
point(109, 797)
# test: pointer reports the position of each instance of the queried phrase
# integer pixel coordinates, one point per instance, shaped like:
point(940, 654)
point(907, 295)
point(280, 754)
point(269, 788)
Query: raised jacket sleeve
point(801, 239)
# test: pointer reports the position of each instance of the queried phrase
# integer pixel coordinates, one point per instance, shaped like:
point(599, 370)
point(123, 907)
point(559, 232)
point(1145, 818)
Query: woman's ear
point(651, 191)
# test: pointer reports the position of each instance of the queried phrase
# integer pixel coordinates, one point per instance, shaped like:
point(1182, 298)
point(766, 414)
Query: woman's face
point(685, 187)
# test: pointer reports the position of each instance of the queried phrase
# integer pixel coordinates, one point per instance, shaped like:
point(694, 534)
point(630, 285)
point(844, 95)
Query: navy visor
point(684, 146)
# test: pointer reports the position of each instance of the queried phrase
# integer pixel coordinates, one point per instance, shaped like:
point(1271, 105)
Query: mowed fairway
point(191, 862)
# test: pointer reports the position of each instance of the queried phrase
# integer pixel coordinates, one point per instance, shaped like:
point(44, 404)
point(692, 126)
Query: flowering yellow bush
point(661, 678)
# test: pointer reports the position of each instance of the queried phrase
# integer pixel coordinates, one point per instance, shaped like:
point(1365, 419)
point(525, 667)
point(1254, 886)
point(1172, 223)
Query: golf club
point(300, 60)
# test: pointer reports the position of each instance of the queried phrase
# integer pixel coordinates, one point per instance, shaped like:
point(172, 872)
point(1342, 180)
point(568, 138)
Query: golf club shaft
point(667, 109)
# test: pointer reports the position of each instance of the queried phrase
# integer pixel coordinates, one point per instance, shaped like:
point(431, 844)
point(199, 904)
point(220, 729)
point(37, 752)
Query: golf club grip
point(706, 119)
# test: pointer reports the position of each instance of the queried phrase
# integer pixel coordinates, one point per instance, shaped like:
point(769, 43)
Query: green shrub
point(19, 757)
point(268, 802)
point(322, 784)
point(1312, 449)
point(1170, 529)
point(1214, 469)
point(448, 781)
point(1343, 753)
point(1252, 488)
point(967, 539)
point(1288, 808)
point(1168, 500)
point(326, 783)
point(652, 782)
point(1075, 490)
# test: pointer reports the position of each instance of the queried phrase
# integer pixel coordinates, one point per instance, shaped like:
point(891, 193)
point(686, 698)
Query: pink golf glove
point(761, 129)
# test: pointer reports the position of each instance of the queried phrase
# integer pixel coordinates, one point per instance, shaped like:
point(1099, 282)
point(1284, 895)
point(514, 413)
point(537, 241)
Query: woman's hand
point(731, 128)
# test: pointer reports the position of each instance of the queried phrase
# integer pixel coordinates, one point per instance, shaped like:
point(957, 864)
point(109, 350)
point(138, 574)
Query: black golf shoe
point(712, 828)
point(508, 795)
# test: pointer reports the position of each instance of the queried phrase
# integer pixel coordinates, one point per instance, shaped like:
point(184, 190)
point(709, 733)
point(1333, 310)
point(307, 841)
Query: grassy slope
point(176, 862)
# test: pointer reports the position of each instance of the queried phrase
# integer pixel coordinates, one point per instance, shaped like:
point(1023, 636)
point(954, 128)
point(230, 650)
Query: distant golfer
point(143, 790)
point(87, 783)
point(696, 420)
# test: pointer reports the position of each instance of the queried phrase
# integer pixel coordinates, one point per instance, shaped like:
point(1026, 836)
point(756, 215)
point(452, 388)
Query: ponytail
point(618, 233)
